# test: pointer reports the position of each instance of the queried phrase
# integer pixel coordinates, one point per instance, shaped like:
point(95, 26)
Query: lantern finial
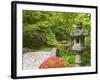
point(79, 25)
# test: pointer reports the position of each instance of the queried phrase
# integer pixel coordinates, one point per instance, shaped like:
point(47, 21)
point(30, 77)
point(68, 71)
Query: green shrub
point(67, 56)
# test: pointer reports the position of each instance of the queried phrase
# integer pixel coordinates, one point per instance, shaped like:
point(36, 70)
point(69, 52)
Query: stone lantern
point(77, 44)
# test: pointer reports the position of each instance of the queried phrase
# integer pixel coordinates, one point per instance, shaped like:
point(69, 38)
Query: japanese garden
point(56, 39)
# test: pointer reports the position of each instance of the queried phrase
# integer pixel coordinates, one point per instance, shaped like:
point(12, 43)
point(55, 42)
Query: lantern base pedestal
point(78, 60)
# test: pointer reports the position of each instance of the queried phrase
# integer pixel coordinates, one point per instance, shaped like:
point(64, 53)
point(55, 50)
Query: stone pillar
point(53, 52)
point(78, 59)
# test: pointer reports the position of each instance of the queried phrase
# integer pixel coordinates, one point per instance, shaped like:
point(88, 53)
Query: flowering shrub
point(53, 62)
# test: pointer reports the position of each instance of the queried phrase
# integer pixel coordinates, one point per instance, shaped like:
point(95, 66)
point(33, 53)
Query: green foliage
point(60, 52)
point(67, 56)
point(86, 58)
point(51, 63)
point(69, 60)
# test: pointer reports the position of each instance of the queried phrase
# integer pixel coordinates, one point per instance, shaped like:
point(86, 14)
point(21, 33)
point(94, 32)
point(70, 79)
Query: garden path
point(32, 60)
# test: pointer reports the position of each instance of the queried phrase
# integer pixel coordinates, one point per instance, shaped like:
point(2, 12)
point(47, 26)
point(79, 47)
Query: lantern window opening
point(77, 40)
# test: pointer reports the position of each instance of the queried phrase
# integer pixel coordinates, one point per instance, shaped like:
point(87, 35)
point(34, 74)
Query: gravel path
point(32, 60)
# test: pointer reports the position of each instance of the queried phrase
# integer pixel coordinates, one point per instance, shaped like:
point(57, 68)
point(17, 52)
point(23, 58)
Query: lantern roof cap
point(78, 32)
